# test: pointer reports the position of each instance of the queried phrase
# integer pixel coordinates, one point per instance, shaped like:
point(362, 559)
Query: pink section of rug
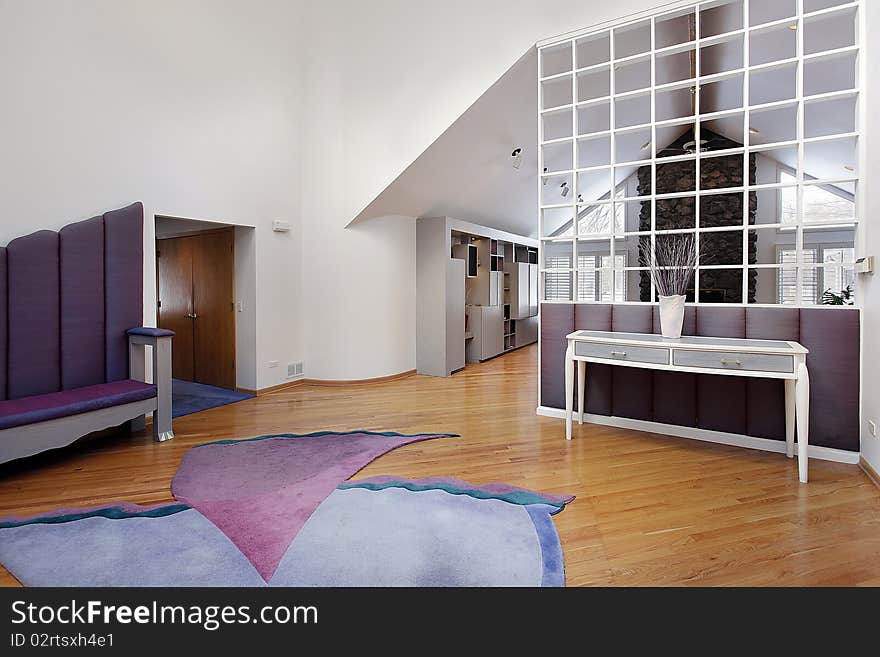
point(261, 491)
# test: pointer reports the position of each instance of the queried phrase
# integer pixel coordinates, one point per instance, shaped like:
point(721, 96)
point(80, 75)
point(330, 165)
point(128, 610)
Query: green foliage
point(846, 297)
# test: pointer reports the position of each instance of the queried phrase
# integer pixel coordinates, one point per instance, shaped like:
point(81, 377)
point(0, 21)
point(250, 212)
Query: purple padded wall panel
point(675, 393)
point(34, 359)
point(557, 321)
point(596, 317)
point(832, 336)
point(2, 323)
point(765, 398)
point(675, 398)
point(123, 274)
point(721, 400)
point(82, 304)
point(721, 322)
point(632, 388)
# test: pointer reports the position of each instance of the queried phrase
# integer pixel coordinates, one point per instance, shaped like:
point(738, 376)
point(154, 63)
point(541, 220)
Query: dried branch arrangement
point(671, 262)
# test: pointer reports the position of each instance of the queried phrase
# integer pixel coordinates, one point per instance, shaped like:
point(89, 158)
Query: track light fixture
point(545, 179)
point(564, 189)
point(517, 158)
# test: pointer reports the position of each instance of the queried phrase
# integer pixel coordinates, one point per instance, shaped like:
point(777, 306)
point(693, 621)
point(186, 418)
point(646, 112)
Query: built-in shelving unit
point(480, 325)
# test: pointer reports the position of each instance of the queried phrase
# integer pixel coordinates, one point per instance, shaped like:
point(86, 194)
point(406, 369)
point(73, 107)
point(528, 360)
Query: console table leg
point(803, 420)
point(790, 385)
point(569, 390)
point(582, 366)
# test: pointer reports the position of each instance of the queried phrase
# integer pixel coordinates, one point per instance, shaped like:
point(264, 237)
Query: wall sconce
point(517, 158)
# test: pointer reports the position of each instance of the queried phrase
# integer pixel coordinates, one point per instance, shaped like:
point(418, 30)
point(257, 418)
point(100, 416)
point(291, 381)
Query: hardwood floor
point(650, 509)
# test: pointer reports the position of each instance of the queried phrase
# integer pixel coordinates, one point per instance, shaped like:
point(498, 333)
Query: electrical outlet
point(872, 428)
point(273, 363)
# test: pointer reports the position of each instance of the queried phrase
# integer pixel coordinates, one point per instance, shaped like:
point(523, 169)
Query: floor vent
point(294, 369)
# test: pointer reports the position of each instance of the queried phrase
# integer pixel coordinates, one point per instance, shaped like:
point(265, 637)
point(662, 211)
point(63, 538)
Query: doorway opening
point(205, 284)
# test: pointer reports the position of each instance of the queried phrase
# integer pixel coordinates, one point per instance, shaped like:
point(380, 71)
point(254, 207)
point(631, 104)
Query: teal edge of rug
point(520, 497)
point(111, 513)
point(389, 434)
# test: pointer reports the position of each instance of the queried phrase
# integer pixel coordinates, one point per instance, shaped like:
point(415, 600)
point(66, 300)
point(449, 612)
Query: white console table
point(776, 359)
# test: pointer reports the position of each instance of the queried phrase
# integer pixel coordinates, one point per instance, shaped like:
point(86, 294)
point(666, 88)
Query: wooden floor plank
point(650, 509)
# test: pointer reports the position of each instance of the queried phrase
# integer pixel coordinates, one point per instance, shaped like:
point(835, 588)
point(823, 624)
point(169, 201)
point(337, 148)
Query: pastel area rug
point(277, 510)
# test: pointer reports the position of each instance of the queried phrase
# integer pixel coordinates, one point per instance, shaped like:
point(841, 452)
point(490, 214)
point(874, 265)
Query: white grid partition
point(766, 87)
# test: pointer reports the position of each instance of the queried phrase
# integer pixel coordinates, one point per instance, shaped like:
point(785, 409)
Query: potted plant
point(846, 297)
point(671, 263)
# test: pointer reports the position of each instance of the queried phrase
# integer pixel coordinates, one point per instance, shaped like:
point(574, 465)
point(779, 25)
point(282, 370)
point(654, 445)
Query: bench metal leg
point(162, 429)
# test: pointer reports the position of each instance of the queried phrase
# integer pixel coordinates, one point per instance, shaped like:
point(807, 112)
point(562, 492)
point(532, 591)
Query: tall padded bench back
point(3, 325)
point(34, 333)
point(82, 304)
point(123, 284)
point(66, 302)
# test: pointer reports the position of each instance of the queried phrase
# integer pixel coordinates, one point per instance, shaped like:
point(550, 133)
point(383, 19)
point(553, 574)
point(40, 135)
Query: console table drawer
point(727, 360)
point(628, 353)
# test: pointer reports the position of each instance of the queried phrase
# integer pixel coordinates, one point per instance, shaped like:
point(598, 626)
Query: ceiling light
point(646, 145)
point(849, 168)
point(580, 198)
point(564, 188)
point(517, 158)
point(545, 179)
point(754, 131)
point(792, 27)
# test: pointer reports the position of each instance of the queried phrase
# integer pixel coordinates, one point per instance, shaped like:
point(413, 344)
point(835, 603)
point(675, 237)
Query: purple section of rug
point(261, 492)
point(494, 488)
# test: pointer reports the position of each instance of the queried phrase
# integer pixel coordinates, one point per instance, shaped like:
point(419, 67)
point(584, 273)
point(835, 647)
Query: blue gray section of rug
point(188, 397)
point(285, 516)
point(356, 537)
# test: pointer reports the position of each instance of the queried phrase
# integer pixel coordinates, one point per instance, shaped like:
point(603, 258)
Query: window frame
point(649, 52)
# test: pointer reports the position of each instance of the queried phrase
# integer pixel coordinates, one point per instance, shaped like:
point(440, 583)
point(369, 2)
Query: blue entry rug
point(188, 397)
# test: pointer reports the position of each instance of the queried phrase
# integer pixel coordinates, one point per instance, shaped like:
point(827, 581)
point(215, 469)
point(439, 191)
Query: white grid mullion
point(699, 153)
point(747, 149)
point(747, 157)
point(573, 275)
point(613, 161)
point(799, 210)
point(653, 201)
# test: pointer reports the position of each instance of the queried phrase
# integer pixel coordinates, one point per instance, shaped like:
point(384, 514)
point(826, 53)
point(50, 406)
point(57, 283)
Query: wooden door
point(196, 300)
point(174, 265)
point(213, 305)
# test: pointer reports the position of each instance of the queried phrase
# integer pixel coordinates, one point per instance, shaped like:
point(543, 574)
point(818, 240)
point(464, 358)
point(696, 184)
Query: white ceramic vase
point(671, 315)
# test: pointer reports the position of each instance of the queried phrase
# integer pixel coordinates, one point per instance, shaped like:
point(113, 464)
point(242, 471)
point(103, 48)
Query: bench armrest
point(160, 341)
point(151, 332)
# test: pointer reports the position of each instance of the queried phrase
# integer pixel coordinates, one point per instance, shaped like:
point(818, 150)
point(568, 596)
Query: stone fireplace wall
point(723, 209)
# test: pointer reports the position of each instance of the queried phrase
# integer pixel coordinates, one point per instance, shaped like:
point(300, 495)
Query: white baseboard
point(706, 435)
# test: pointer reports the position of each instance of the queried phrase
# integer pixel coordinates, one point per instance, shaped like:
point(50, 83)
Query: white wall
point(870, 285)
point(383, 80)
point(248, 111)
point(189, 106)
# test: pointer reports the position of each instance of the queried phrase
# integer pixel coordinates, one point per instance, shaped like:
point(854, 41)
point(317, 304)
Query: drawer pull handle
point(618, 354)
point(731, 361)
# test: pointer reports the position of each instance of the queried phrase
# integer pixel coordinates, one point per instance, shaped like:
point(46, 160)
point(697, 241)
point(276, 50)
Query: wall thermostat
point(280, 226)
point(865, 265)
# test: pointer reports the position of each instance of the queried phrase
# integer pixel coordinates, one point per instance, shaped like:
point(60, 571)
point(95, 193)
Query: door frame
point(194, 233)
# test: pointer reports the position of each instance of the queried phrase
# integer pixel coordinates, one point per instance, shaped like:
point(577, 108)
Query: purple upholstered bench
point(72, 348)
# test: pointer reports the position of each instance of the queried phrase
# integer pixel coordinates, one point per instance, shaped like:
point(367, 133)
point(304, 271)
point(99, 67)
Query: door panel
point(213, 295)
point(175, 272)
